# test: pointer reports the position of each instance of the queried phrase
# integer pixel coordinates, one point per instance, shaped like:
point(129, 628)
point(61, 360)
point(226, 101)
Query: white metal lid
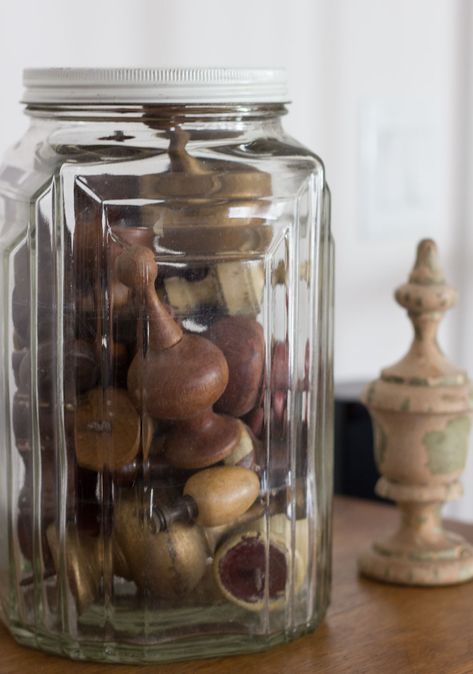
point(154, 85)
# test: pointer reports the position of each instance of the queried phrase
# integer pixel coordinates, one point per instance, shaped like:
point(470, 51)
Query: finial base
point(421, 551)
point(421, 409)
point(434, 569)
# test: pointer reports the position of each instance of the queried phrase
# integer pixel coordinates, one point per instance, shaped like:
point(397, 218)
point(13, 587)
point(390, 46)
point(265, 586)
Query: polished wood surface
point(370, 628)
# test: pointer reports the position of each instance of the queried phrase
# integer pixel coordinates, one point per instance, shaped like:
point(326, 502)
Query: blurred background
point(383, 91)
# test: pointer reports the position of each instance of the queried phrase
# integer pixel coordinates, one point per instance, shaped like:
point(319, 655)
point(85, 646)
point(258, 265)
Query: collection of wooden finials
point(170, 419)
point(198, 386)
point(177, 429)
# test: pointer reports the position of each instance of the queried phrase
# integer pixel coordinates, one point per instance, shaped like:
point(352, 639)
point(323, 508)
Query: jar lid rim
point(193, 85)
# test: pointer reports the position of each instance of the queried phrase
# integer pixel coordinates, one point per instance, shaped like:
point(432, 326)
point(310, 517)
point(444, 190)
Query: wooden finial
point(107, 430)
point(241, 339)
point(421, 410)
point(167, 563)
point(426, 296)
point(211, 497)
point(427, 269)
point(137, 269)
point(178, 377)
point(83, 563)
point(181, 160)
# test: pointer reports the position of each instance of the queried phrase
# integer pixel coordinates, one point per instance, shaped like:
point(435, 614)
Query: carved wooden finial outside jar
point(421, 410)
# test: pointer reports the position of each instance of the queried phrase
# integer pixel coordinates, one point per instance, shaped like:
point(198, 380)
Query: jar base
point(188, 649)
point(422, 568)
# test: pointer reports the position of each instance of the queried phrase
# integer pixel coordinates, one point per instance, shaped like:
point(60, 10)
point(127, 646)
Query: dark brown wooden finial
point(178, 376)
point(137, 269)
point(241, 339)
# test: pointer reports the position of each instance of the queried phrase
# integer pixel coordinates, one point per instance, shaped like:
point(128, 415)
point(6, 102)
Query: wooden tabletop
point(370, 628)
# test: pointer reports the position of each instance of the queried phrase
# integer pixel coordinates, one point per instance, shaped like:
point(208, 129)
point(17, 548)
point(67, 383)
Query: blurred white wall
point(381, 90)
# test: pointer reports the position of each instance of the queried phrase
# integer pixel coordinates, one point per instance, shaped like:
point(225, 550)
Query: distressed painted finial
point(421, 410)
point(427, 297)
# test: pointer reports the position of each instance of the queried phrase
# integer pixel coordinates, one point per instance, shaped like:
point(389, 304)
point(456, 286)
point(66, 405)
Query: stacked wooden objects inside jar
point(163, 391)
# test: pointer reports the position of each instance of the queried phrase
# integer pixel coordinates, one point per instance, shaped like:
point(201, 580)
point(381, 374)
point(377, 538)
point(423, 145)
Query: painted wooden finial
point(421, 410)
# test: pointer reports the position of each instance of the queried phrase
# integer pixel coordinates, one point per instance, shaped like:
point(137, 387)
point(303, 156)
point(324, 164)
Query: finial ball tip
point(136, 266)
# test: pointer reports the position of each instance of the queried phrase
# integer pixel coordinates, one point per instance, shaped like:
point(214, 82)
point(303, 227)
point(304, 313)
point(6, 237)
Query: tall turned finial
point(426, 296)
point(177, 376)
point(137, 269)
point(181, 160)
point(421, 410)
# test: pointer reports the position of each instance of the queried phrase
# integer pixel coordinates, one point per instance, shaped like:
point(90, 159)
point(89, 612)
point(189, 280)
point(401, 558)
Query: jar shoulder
point(98, 149)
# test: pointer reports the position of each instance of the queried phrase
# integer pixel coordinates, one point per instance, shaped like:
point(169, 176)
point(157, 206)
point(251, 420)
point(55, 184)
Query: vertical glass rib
point(293, 415)
point(37, 562)
point(14, 595)
point(66, 611)
point(105, 476)
point(268, 327)
point(329, 402)
point(312, 394)
point(324, 428)
point(143, 326)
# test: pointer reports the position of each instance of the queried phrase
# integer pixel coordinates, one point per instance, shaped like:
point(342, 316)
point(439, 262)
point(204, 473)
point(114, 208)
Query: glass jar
point(166, 472)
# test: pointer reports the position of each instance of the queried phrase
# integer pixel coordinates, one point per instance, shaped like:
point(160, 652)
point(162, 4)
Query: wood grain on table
point(370, 628)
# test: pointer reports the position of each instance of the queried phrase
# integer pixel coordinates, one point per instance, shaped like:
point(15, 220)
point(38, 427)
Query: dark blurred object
point(355, 471)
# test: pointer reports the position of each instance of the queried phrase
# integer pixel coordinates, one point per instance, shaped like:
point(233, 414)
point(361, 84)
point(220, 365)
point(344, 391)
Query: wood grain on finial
point(178, 376)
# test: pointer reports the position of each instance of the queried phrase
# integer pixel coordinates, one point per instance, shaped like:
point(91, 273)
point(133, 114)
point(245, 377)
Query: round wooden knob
point(136, 267)
point(167, 564)
point(222, 493)
point(80, 367)
point(243, 454)
point(241, 570)
point(107, 430)
point(142, 464)
point(241, 341)
point(216, 506)
point(179, 382)
point(201, 441)
point(83, 564)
